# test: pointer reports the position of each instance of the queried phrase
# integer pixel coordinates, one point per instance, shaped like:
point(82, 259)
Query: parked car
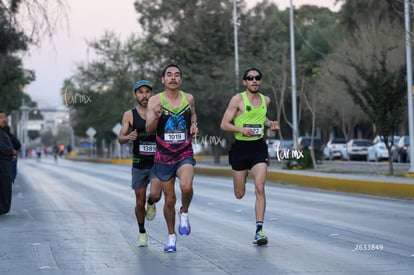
point(333, 148)
point(377, 152)
point(279, 149)
point(284, 150)
point(401, 151)
point(304, 143)
point(356, 149)
point(381, 139)
point(271, 147)
point(197, 148)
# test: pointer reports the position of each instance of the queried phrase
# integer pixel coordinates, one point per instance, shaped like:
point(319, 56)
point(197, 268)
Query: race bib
point(257, 129)
point(147, 148)
point(175, 136)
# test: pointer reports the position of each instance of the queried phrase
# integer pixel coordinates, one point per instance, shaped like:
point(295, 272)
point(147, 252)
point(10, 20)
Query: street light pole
point(293, 73)
point(409, 84)
point(236, 44)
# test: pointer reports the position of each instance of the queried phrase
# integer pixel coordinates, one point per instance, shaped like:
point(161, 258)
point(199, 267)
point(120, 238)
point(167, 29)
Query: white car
point(381, 139)
point(279, 149)
point(334, 148)
point(356, 149)
point(197, 148)
point(377, 152)
point(271, 147)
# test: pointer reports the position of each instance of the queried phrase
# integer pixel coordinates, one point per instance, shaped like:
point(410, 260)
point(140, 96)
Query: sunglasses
point(250, 77)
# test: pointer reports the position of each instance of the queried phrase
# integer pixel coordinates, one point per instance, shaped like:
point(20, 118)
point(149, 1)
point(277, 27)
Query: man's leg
point(169, 204)
point(5, 186)
point(239, 183)
point(140, 196)
point(155, 191)
point(153, 197)
point(169, 213)
point(259, 173)
point(186, 175)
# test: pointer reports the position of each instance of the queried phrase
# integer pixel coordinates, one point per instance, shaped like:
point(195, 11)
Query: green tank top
point(252, 117)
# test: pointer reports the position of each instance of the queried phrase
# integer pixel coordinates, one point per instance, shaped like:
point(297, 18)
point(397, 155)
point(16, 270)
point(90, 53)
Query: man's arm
point(230, 114)
point(274, 125)
point(124, 135)
point(6, 147)
point(154, 110)
point(194, 126)
point(15, 141)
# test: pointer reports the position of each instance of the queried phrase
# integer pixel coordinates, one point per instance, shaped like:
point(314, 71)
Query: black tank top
point(144, 145)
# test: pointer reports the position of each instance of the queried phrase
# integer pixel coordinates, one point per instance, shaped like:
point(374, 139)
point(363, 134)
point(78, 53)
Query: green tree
point(197, 35)
point(12, 75)
point(355, 13)
point(23, 23)
point(101, 91)
point(317, 33)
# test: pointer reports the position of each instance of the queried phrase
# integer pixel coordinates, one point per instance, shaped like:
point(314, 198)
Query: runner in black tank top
point(144, 145)
point(133, 129)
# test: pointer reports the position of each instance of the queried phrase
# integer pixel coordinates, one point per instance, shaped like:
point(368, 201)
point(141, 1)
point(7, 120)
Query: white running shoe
point(143, 239)
point(184, 228)
point(170, 245)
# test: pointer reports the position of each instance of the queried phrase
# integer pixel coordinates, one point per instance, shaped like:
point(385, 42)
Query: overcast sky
point(54, 62)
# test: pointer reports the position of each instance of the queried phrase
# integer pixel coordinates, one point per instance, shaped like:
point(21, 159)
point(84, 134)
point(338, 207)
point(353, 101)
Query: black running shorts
point(243, 155)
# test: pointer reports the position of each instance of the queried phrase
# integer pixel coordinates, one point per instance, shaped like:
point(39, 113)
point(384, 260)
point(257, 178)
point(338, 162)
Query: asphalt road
point(77, 218)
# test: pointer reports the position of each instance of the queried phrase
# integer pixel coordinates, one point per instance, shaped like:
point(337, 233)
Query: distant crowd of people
point(39, 151)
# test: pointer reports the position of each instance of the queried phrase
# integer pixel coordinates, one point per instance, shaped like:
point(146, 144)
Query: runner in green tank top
point(245, 116)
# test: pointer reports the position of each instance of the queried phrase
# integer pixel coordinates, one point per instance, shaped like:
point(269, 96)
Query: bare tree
point(371, 64)
point(339, 109)
point(36, 18)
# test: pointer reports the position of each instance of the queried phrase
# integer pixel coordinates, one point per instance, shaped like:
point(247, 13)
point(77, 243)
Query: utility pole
point(236, 45)
point(409, 84)
point(293, 73)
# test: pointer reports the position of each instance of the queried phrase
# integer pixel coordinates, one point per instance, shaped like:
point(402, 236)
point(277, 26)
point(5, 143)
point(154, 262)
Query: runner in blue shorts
point(171, 114)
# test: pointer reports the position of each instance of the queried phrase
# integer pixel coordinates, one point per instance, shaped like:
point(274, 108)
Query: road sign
point(91, 132)
point(117, 128)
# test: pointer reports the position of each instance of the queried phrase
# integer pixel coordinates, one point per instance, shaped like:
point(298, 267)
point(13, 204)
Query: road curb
point(367, 187)
point(328, 182)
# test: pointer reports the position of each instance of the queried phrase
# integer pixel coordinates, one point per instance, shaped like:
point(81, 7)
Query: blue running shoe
point(184, 228)
point(170, 244)
point(260, 238)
